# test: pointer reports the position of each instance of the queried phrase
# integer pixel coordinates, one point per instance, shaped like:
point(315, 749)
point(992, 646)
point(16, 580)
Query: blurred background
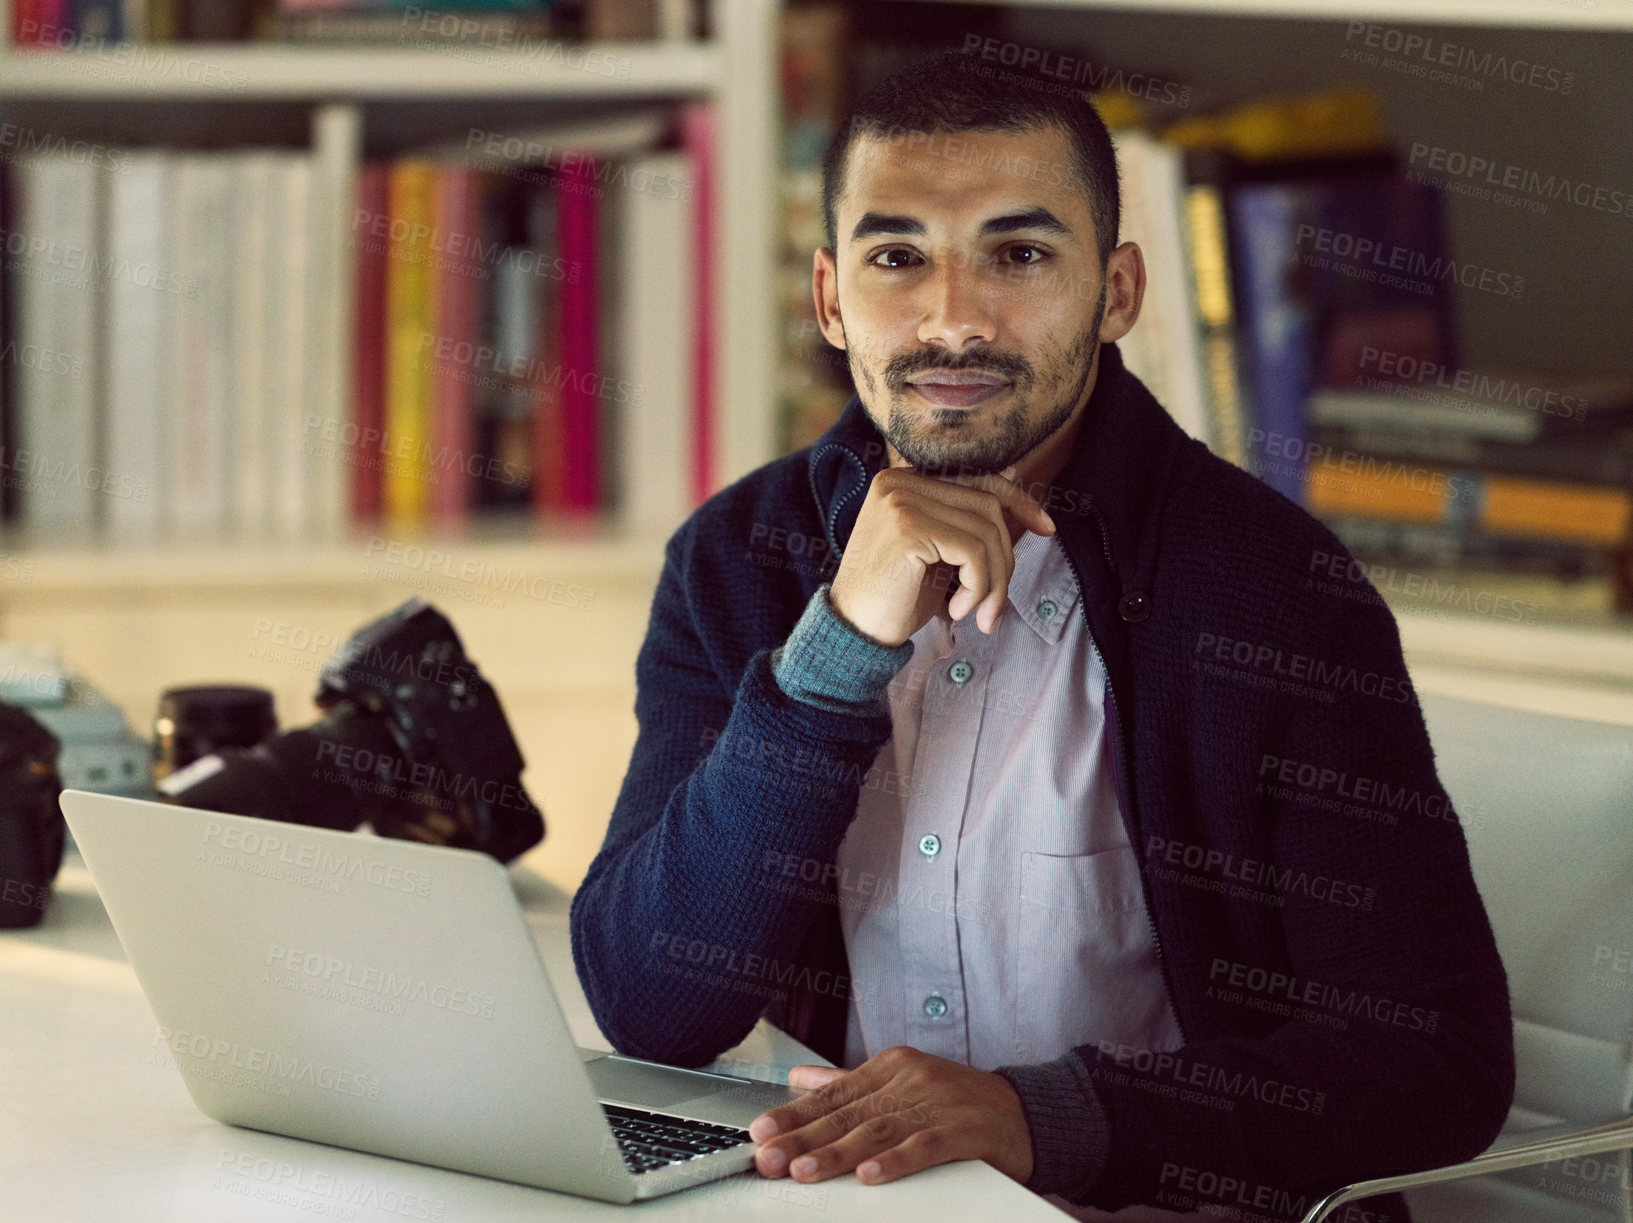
point(308, 308)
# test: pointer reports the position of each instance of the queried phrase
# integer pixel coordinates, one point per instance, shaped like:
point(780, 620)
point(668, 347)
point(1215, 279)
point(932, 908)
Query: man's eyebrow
point(882, 223)
point(874, 223)
point(1031, 218)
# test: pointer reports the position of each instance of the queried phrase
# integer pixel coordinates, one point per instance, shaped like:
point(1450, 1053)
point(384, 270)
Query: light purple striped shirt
point(992, 912)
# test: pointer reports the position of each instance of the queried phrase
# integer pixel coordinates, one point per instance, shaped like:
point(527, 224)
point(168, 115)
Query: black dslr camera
point(31, 827)
point(412, 740)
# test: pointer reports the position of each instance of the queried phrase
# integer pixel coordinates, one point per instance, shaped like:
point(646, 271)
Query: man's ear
point(825, 291)
point(1125, 290)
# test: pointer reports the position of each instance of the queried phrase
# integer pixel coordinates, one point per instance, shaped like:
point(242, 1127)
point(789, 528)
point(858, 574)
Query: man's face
point(967, 291)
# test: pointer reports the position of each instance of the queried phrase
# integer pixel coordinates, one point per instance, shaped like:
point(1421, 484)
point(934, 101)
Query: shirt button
point(935, 1006)
point(1047, 609)
point(929, 845)
point(960, 672)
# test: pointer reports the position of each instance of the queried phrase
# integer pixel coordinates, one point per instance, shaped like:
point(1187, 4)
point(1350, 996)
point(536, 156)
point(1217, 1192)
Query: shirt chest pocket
point(1086, 961)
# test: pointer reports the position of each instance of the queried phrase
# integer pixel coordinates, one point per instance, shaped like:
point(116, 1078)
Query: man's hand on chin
point(894, 1115)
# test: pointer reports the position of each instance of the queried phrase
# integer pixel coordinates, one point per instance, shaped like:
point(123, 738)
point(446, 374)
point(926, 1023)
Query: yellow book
point(411, 292)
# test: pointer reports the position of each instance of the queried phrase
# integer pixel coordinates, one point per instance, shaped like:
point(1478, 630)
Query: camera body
point(413, 740)
point(32, 831)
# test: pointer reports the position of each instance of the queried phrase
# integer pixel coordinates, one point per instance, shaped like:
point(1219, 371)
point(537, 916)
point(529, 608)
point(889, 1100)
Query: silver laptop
point(388, 997)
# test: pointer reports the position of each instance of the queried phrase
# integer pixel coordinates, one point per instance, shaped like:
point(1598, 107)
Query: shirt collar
point(1042, 590)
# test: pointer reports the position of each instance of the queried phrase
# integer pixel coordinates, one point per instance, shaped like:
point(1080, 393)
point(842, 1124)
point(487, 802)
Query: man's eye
point(895, 257)
point(1036, 255)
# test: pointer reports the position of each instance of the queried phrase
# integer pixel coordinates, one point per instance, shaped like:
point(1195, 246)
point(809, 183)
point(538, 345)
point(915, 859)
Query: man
point(995, 740)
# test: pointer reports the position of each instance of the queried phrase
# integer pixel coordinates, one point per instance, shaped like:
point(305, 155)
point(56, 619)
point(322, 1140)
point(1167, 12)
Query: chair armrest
point(1524, 1149)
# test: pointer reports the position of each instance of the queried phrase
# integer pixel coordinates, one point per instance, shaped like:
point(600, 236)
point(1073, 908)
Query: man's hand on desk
point(895, 1114)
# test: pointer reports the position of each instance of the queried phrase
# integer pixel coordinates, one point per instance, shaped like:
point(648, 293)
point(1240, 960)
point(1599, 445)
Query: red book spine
point(697, 136)
point(53, 23)
point(370, 223)
point(577, 194)
point(457, 313)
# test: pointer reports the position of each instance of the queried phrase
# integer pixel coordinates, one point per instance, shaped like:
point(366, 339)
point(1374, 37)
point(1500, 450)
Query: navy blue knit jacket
point(1344, 1010)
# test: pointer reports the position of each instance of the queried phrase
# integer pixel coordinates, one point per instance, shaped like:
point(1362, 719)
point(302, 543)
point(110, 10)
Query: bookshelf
point(347, 92)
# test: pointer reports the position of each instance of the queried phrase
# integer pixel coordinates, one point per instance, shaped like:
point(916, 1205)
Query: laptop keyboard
point(652, 1140)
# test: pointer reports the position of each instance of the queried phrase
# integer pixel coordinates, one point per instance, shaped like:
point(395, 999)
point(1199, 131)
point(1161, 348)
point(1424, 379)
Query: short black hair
point(953, 92)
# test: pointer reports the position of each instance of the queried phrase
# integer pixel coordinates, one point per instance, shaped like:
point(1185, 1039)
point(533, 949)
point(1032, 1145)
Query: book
point(1501, 505)
point(370, 220)
point(292, 305)
point(652, 398)
point(203, 351)
point(1310, 308)
point(410, 297)
point(1163, 349)
point(55, 456)
point(258, 251)
point(579, 327)
point(138, 346)
point(698, 140)
point(460, 284)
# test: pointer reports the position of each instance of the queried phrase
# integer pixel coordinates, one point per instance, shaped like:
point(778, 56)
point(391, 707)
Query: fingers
point(1003, 495)
point(841, 1089)
point(981, 550)
point(810, 1077)
point(825, 1156)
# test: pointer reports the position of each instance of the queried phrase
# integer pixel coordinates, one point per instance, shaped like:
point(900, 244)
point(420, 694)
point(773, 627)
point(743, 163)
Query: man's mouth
point(958, 388)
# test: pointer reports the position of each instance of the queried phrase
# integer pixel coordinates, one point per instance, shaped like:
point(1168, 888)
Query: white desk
point(93, 1127)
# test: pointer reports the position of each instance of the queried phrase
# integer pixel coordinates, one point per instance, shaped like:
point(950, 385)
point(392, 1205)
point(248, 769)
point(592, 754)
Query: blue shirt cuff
point(827, 663)
point(1070, 1134)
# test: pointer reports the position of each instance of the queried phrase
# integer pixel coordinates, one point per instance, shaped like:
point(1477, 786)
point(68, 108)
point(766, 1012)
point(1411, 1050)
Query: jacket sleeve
point(1396, 1052)
point(688, 923)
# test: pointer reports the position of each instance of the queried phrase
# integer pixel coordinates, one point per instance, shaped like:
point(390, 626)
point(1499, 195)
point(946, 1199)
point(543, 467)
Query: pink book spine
point(577, 195)
point(697, 137)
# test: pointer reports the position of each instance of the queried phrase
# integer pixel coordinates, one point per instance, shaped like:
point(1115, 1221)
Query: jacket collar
point(1105, 499)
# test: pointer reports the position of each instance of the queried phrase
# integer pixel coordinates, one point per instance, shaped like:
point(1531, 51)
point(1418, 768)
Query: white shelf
point(227, 72)
point(110, 571)
point(1514, 14)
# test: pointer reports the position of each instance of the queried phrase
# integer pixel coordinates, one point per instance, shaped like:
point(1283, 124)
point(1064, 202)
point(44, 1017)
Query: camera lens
point(196, 721)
